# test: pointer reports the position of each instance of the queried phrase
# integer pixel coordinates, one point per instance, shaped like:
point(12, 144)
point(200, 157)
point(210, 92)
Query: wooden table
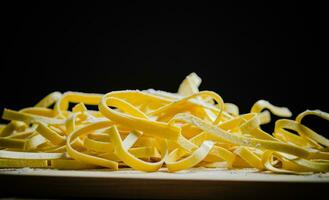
point(200, 183)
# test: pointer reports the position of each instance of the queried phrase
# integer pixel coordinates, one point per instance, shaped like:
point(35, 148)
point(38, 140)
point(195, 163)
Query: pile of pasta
point(150, 129)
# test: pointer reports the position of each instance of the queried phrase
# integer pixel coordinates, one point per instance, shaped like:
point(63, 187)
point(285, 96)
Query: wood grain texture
point(130, 184)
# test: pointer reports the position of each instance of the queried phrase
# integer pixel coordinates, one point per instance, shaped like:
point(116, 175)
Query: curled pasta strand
point(151, 129)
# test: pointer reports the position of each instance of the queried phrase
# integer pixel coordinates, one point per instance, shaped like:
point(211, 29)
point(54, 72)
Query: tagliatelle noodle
point(152, 129)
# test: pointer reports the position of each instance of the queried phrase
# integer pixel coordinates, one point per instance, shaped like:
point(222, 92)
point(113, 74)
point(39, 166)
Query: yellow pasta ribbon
point(151, 129)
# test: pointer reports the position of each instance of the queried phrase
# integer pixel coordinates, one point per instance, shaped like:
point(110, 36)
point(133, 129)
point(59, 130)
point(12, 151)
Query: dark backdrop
point(243, 52)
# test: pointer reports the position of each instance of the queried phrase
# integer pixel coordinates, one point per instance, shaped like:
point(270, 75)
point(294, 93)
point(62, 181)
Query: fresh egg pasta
point(150, 129)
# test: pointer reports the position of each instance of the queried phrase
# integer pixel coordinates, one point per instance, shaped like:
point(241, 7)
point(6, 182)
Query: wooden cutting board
point(198, 183)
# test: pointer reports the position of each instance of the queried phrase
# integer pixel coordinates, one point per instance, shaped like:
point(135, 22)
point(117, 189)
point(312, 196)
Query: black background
point(244, 52)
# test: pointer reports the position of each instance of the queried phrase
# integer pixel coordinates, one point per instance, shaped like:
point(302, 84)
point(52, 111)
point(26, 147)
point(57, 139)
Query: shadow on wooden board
point(77, 187)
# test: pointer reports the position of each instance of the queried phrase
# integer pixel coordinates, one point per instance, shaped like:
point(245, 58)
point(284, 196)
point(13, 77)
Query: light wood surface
point(199, 183)
point(196, 174)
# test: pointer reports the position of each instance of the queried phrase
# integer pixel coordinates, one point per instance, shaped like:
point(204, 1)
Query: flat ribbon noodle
point(152, 129)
